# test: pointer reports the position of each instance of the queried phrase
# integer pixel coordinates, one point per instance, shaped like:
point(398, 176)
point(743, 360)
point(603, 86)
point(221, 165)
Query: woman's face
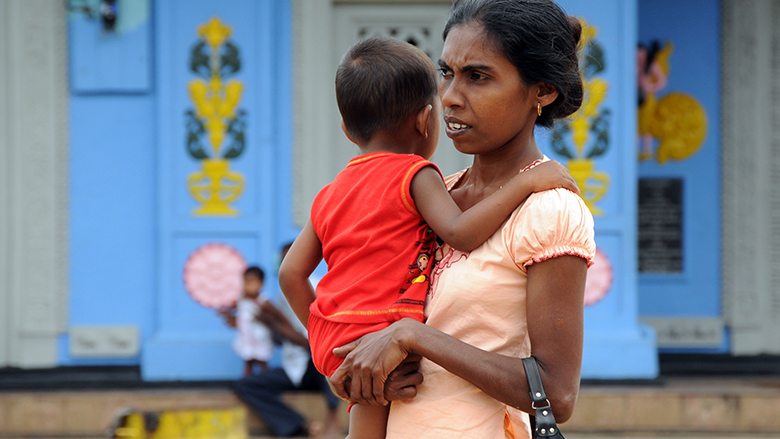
point(486, 105)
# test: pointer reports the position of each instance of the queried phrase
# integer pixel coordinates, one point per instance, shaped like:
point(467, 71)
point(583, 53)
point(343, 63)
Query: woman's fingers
point(370, 385)
point(340, 383)
point(356, 391)
point(379, 390)
point(571, 184)
point(371, 359)
point(413, 358)
point(407, 392)
point(403, 381)
point(343, 351)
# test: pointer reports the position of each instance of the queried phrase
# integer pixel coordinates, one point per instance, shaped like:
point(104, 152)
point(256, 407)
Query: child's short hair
point(255, 271)
point(380, 83)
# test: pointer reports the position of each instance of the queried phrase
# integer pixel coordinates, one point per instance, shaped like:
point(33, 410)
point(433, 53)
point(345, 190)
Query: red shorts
point(324, 336)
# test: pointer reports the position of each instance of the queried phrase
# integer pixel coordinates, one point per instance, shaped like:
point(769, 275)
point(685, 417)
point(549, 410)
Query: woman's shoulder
point(550, 223)
point(554, 202)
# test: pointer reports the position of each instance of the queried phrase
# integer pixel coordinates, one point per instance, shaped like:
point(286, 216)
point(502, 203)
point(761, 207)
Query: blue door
point(222, 76)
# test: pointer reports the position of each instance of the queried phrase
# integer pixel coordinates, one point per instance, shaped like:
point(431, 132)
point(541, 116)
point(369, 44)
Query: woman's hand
point(369, 361)
point(403, 381)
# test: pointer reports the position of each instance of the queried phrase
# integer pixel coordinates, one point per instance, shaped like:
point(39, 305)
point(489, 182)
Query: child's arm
point(467, 230)
point(300, 262)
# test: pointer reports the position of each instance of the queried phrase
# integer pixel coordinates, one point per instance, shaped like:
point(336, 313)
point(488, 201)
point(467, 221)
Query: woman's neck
point(495, 169)
point(491, 171)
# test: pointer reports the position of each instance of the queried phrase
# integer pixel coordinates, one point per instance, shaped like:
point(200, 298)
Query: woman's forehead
point(468, 44)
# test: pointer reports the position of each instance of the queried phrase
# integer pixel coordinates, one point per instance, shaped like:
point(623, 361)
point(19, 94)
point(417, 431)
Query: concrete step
point(708, 407)
point(89, 413)
point(695, 404)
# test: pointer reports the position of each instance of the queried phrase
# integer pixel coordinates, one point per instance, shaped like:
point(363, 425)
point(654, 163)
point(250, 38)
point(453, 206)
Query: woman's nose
point(450, 94)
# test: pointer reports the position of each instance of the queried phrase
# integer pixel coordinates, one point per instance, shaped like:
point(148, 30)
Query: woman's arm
point(467, 230)
point(301, 261)
point(555, 325)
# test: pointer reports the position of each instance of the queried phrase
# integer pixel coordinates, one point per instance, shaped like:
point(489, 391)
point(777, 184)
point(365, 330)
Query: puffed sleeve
point(550, 224)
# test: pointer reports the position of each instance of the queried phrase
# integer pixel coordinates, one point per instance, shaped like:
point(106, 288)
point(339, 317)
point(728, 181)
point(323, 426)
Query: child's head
point(382, 82)
point(253, 282)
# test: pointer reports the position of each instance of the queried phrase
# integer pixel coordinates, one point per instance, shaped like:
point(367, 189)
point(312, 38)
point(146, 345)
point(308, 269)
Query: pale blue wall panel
point(110, 62)
point(695, 70)
point(616, 344)
point(260, 31)
point(111, 215)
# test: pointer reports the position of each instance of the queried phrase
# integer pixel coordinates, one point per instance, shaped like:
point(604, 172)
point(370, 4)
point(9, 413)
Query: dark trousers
point(262, 392)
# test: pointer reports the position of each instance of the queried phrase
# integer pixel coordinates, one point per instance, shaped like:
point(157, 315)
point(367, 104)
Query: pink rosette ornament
point(214, 274)
point(599, 280)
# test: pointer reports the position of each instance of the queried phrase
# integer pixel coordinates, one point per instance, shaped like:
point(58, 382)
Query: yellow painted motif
point(215, 101)
point(680, 125)
point(184, 424)
point(677, 120)
point(590, 121)
point(593, 184)
point(215, 186)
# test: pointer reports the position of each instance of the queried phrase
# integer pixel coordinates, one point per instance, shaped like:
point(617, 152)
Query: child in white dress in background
point(254, 342)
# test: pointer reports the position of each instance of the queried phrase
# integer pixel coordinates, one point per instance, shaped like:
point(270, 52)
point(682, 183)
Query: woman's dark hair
point(538, 38)
point(380, 83)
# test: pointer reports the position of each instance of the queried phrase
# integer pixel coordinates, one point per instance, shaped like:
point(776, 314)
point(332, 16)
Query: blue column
point(598, 146)
point(222, 149)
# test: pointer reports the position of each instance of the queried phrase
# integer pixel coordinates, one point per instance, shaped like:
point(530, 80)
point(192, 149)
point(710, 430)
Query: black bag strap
point(545, 426)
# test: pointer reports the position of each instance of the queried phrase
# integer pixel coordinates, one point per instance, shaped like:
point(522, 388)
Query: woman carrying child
point(507, 66)
point(376, 223)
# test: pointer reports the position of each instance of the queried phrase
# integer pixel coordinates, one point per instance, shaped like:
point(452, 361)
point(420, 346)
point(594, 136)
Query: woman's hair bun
point(576, 29)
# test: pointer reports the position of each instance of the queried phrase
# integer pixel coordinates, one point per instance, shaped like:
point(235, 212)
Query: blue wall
point(131, 226)
point(112, 186)
point(695, 70)
point(112, 214)
point(616, 345)
point(124, 126)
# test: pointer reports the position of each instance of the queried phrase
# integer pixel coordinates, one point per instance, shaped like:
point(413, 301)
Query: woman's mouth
point(456, 129)
point(457, 126)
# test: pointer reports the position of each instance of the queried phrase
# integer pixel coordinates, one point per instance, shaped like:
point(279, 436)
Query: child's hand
point(550, 175)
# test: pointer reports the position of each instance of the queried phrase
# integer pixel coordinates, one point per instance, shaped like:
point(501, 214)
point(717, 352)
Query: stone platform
point(668, 407)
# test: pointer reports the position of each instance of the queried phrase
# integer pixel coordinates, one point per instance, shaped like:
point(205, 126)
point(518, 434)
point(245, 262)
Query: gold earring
point(539, 108)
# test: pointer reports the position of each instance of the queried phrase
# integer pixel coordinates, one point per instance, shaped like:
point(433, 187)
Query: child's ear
point(346, 133)
point(421, 121)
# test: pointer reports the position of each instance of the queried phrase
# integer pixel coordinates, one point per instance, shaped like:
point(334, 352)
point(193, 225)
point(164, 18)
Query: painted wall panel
point(111, 215)
point(694, 69)
point(118, 61)
point(616, 345)
point(249, 41)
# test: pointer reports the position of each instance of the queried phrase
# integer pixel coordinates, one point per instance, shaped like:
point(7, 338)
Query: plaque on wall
point(660, 225)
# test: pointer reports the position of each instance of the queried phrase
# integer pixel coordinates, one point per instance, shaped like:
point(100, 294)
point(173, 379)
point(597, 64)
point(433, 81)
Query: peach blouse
point(479, 298)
